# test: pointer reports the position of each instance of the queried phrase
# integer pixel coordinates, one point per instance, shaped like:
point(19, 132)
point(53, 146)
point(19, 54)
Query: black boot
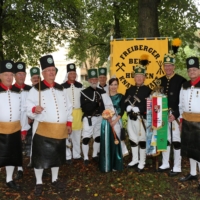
point(19, 175)
point(13, 185)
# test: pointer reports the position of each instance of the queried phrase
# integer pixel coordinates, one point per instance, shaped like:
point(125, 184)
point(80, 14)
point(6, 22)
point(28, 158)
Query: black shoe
point(58, 185)
point(96, 159)
point(19, 175)
point(162, 170)
point(132, 166)
point(86, 162)
point(172, 173)
point(69, 162)
point(13, 185)
point(188, 177)
point(29, 165)
point(38, 189)
point(139, 170)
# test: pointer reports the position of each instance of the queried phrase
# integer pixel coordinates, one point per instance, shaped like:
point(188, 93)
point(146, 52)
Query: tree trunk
point(117, 31)
point(148, 18)
point(1, 30)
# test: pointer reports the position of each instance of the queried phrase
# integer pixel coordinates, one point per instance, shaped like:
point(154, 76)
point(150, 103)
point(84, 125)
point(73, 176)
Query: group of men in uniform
point(56, 118)
point(44, 114)
point(183, 104)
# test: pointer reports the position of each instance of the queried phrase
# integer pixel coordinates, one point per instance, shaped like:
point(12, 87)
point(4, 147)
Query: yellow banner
point(125, 54)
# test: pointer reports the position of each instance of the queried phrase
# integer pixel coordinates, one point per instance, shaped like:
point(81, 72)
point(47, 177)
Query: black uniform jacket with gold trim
point(172, 87)
point(141, 92)
point(91, 101)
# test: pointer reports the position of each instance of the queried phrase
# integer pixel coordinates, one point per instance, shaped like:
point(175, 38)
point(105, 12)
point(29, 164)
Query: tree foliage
point(30, 28)
point(130, 19)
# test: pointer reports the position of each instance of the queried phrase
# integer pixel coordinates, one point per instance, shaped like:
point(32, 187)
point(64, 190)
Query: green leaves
point(32, 28)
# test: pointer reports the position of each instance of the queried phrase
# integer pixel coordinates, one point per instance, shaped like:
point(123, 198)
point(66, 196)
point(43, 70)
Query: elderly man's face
point(35, 79)
point(102, 80)
point(93, 82)
point(193, 73)
point(49, 74)
point(7, 78)
point(139, 79)
point(20, 78)
point(72, 76)
point(169, 69)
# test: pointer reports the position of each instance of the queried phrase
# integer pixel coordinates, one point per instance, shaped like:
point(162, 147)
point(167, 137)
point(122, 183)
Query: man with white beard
point(92, 107)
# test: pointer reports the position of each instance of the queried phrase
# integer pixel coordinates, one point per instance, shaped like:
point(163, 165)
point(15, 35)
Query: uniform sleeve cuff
point(23, 132)
point(69, 124)
point(181, 120)
point(33, 109)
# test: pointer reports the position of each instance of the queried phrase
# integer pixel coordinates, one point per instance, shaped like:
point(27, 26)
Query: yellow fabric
point(191, 117)
point(52, 130)
point(9, 127)
point(77, 123)
point(126, 54)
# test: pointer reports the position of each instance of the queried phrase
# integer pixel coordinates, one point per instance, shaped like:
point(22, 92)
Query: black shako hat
point(71, 67)
point(192, 62)
point(6, 66)
point(19, 67)
point(47, 61)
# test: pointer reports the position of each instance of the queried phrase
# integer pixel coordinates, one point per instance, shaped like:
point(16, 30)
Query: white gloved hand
point(129, 108)
point(135, 109)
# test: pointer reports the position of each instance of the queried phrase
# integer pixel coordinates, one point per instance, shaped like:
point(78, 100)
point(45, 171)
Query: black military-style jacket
point(172, 87)
point(141, 92)
point(91, 101)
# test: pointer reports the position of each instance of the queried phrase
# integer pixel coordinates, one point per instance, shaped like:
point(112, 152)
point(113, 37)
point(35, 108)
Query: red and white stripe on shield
point(156, 112)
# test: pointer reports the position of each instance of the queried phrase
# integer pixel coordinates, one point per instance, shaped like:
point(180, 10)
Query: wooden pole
point(39, 91)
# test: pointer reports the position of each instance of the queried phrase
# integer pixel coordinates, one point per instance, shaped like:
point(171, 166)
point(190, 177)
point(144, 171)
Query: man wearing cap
point(136, 118)
point(190, 118)
point(35, 78)
point(35, 75)
point(51, 109)
point(12, 123)
point(102, 79)
point(92, 107)
point(171, 84)
point(20, 76)
point(73, 91)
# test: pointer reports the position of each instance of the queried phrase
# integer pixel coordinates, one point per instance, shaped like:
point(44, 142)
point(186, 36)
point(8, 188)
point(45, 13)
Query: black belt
point(97, 115)
point(89, 118)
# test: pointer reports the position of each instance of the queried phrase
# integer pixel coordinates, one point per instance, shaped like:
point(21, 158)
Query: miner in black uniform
point(102, 72)
point(171, 84)
point(20, 76)
point(136, 111)
point(92, 107)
